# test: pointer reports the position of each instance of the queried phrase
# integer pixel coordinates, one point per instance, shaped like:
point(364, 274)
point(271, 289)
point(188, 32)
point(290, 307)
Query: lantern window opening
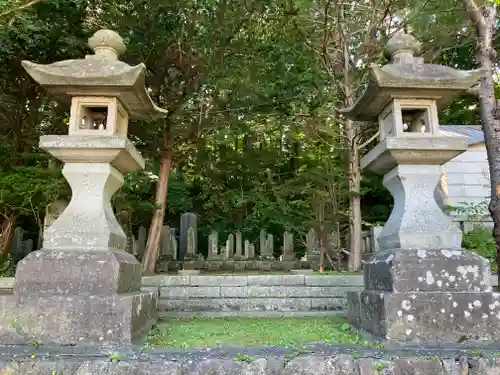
point(415, 120)
point(94, 117)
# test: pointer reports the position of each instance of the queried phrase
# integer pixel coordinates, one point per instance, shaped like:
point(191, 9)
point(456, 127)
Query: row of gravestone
point(235, 247)
point(21, 247)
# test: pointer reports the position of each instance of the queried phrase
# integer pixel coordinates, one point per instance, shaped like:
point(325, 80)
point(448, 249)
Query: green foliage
point(252, 107)
point(481, 241)
point(7, 267)
point(472, 211)
point(180, 197)
point(28, 190)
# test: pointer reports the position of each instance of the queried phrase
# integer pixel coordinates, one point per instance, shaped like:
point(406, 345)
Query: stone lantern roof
point(101, 74)
point(409, 76)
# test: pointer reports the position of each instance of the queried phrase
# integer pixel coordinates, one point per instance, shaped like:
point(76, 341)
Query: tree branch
point(370, 140)
point(22, 7)
point(474, 12)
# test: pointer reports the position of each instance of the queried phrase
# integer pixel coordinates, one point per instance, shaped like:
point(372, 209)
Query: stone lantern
point(421, 286)
point(82, 286)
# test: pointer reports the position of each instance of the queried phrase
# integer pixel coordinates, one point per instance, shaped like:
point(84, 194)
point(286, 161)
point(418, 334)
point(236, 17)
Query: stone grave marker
point(191, 244)
point(213, 245)
point(165, 243)
point(312, 246)
point(229, 247)
point(188, 220)
point(239, 245)
point(173, 244)
point(269, 246)
point(249, 250)
point(288, 253)
point(263, 242)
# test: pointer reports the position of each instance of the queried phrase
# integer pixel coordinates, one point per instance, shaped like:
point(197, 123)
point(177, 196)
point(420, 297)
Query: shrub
point(7, 267)
point(481, 241)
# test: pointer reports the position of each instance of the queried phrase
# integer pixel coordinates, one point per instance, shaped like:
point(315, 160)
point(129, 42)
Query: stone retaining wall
point(318, 360)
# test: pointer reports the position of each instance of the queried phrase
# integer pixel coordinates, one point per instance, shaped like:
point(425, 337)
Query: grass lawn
point(248, 332)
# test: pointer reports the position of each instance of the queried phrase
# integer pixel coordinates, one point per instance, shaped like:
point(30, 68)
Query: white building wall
point(467, 177)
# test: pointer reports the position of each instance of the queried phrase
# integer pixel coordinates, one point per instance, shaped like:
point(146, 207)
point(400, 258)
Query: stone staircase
point(252, 295)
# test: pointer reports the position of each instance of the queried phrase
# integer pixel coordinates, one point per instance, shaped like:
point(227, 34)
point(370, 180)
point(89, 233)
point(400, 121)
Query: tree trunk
point(354, 177)
point(484, 24)
point(7, 227)
point(153, 244)
point(322, 248)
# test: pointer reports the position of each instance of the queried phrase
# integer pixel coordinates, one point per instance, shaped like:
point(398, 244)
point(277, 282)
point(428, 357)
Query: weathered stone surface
point(309, 365)
point(213, 246)
point(87, 224)
point(416, 220)
point(203, 304)
point(421, 286)
point(165, 280)
point(270, 280)
point(73, 319)
point(188, 220)
point(223, 280)
point(427, 316)
point(303, 271)
point(232, 265)
point(288, 253)
point(49, 272)
point(328, 304)
point(408, 75)
point(317, 359)
point(431, 270)
point(334, 280)
point(192, 292)
point(87, 76)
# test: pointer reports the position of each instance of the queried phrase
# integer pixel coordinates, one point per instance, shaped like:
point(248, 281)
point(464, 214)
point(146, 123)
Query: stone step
point(251, 304)
point(246, 314)
point(254, 280)
point(278, 291)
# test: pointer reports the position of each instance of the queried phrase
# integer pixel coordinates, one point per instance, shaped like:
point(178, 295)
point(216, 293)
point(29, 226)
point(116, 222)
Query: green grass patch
point(252, 332)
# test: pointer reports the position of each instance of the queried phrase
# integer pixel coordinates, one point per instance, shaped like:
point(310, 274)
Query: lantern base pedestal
point(72, 297)
point(430, 317)
point(74, 319)
point(427, 296)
